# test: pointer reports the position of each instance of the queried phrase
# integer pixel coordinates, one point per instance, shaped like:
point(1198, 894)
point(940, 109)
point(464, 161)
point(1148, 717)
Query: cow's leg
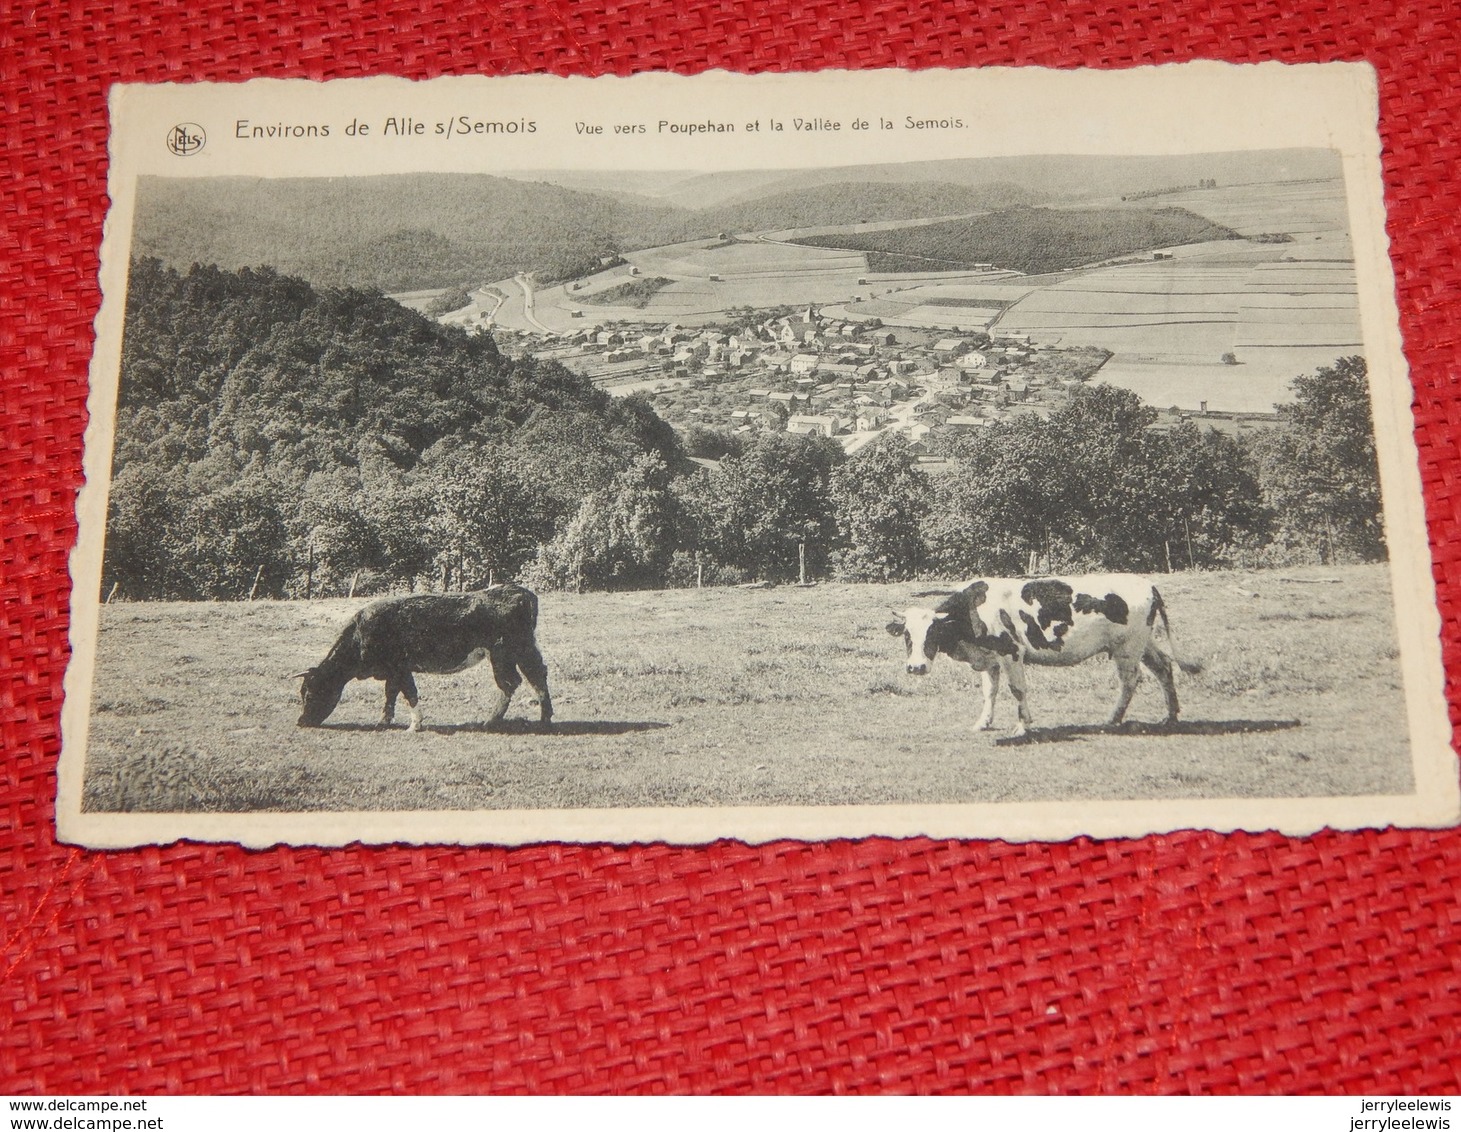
point(1014, 675)
point(1157, 661)
point(1128, 668)
point(504, 673)
point(989, 685)
point(413, 700)
point(530, 663)
point(388, 713)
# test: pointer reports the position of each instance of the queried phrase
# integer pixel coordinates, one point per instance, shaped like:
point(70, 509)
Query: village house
point(810, 425)
point(804, 363)
point(946, 349)
point(972, 360)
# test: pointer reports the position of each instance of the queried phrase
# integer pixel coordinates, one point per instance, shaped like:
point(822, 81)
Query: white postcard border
point(1200, 107)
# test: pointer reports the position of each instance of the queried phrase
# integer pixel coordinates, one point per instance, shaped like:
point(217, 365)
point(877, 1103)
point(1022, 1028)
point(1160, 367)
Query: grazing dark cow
point(395, 638)
point(998, 624)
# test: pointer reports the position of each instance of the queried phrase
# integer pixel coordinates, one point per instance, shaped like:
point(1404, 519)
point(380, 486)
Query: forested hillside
point(420, 231)
point(266, 428)
point(855, 202)
point(1030, 240)
point(390, 233)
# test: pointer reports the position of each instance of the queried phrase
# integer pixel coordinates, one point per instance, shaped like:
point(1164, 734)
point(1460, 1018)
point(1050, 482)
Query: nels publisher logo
point(186, 139)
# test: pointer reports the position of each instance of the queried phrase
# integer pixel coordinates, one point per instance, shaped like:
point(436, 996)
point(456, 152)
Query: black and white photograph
point(510, 460)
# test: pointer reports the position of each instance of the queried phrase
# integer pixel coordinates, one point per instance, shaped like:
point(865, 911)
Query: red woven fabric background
point(1192, 962)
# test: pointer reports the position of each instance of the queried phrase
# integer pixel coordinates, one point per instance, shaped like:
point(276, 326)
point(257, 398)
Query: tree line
point(278, 441)
point(1030, 240)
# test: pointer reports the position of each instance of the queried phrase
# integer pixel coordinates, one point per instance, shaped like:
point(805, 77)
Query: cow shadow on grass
point(564, 730)
point(1069, 733)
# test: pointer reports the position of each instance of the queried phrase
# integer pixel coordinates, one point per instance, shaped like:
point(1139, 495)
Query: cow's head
point(318, 695)
point(921, 630)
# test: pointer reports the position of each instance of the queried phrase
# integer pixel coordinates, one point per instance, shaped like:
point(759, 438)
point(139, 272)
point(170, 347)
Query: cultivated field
point(782, 696)
point(1279, 308)
point(1170, 324)
point(1312, 211)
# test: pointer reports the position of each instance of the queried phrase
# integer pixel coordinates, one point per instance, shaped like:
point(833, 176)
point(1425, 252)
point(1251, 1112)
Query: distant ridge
point(1054, 178)
point(421, 231)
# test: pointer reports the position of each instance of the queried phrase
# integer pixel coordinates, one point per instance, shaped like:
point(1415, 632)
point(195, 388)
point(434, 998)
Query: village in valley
point(800, 371)
point(788, 330)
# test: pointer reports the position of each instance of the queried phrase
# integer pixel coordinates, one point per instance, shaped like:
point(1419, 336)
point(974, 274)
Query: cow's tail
point(1159, 609)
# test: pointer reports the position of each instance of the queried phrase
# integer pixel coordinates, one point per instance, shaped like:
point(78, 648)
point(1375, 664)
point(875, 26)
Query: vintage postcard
point(995, 454)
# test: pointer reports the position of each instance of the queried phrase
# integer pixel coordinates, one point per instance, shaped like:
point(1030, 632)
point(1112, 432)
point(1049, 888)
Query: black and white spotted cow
point(397, 637)
point(997, 625)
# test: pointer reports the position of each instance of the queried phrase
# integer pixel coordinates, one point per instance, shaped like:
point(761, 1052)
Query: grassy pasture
point(1298, 207)
point(1254, 386)
point(782, 696)
point(959, 318)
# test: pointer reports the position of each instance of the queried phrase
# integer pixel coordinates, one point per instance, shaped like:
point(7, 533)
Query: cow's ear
point(942, 615)
point(896, 628)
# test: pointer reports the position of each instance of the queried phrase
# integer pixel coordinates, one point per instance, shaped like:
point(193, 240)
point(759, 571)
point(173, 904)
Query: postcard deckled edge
point(1437, 801)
